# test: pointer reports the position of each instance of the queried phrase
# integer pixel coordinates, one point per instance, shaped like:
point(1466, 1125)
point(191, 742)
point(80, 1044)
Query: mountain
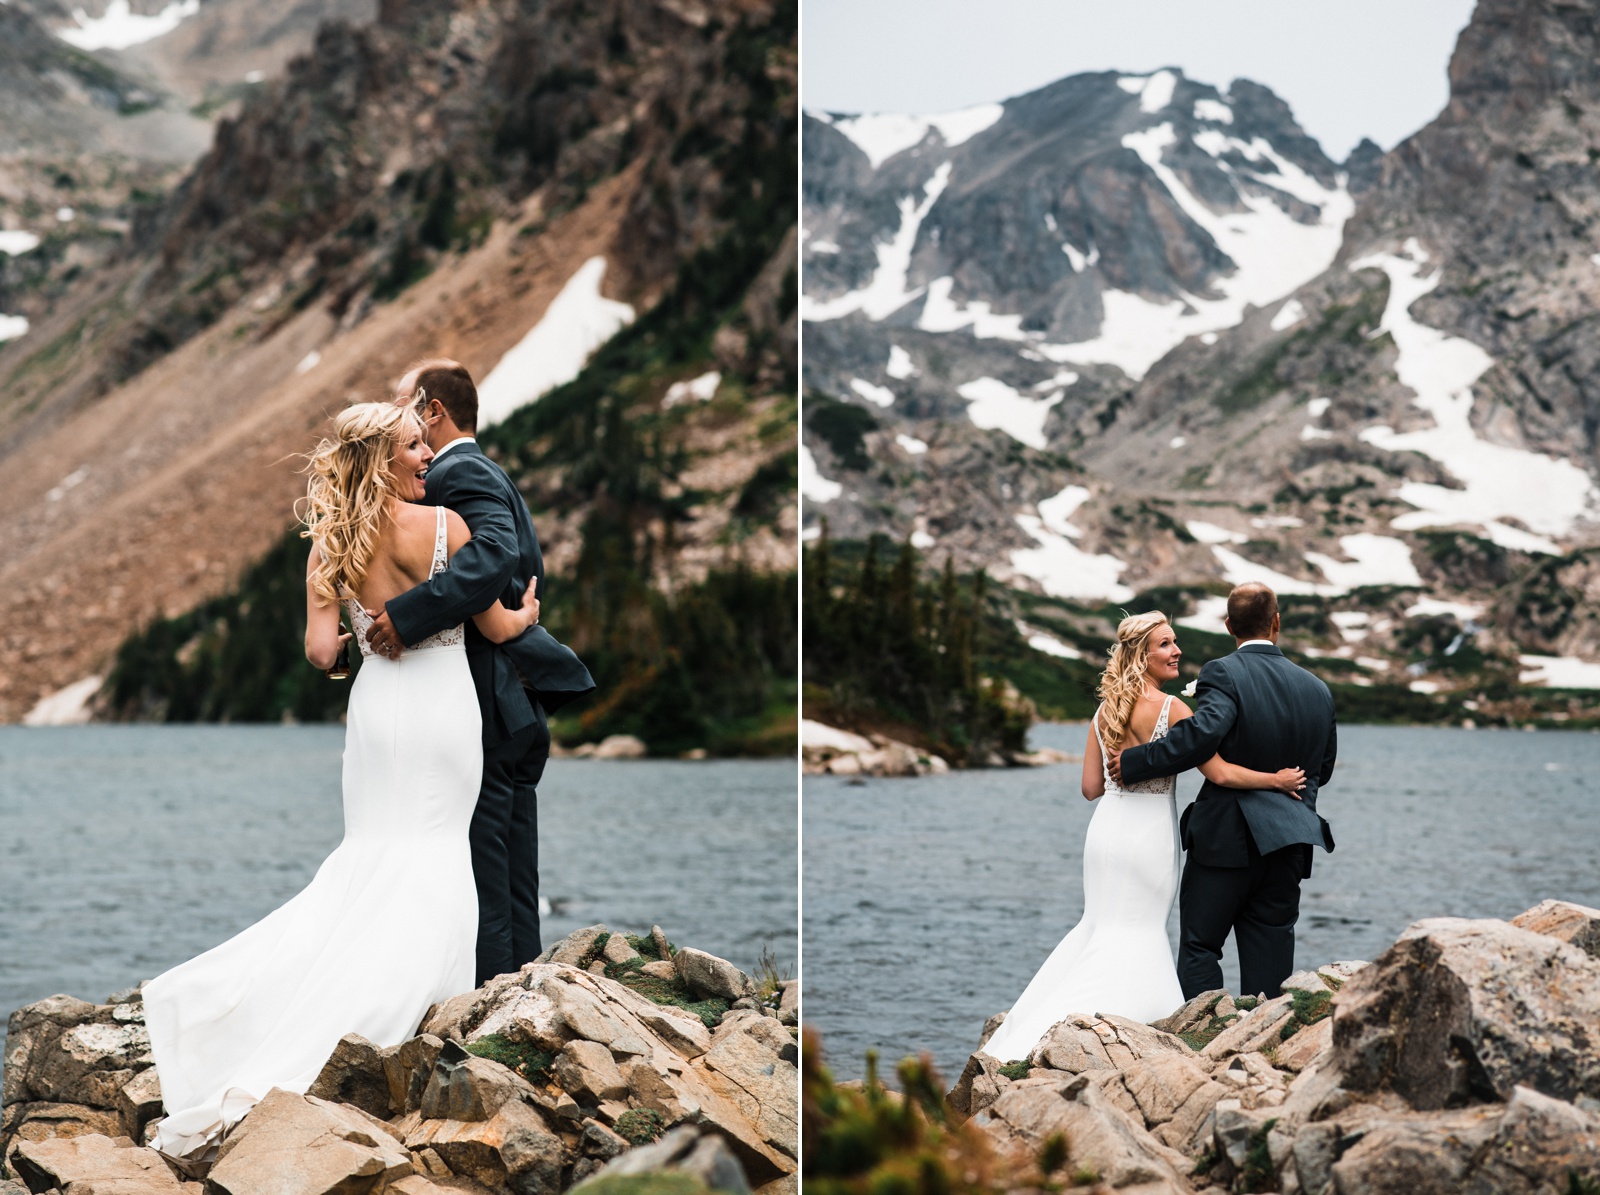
point(1131, 339)
point(518, 186)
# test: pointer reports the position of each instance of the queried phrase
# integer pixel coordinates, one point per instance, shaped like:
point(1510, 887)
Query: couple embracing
point(428, 547)
point(1249, 832)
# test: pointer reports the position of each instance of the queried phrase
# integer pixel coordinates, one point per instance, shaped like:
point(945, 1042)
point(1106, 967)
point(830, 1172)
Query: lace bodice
point(1160, 785)
point(455, 636)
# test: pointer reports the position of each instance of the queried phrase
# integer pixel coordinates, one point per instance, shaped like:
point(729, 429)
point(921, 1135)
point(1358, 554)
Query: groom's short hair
point(1251, 609)
point(449, 382)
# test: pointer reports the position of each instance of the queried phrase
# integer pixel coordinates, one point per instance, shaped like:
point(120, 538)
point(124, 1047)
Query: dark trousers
point(505, 852)
point(1259, 903)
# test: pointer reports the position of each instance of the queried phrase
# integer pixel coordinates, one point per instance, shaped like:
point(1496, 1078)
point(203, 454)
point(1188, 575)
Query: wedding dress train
point(386, 928)
point(1117, 958)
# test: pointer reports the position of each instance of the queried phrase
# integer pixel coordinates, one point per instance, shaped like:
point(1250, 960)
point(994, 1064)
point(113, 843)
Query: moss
point(1206, 1162)
point(1307, 1008)
point(841, 426)
point(670, 992)
point(1199, 1039)
point(1257, 1173)
point(526, 1060)
point(662, 1183)
point(640, 1126)
point(1016, 1070)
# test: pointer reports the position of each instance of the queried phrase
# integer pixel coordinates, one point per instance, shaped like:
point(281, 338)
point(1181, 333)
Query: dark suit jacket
point(1261, 712)
point(532, 669)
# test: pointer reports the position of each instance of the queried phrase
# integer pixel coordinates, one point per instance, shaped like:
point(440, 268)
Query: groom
point(1248, 850)
point(519, 682)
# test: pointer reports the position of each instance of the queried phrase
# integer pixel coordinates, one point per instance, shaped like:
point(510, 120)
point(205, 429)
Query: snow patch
point(995, 406)
point(1062, 568)
point(812, 483)
point(701, 389)
point(578, 321)
point(899, 366)
point(1267, 521)
point(1214, 111)
point(1154, 91)
point(64, 707)
point(1375, 560)
point(881, 135)
point(1435, 607)
point(1318, 407)
point(1545, 493)
point(1424, 686)
point(922, 541)
point(941, 314)
point(308, 362)
point(911, 444)
point(818, 736)
point(1176, 442)
point(1048, 644)
point(1210, 533)
point(1078, 260)
point(18, 240)
point(1560, 672)
point(880, 395)
point(886, 292)
point(1290, 314)
point(821, 247)
point(13, 326)
point(121, 27)
point(1208, 615)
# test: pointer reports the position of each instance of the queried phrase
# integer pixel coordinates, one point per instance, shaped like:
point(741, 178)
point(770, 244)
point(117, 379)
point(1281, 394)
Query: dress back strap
point(441, 552)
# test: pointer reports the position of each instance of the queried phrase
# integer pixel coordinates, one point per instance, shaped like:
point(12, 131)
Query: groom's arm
point(479, 571)
point(1192, 741)
point(1330, 756)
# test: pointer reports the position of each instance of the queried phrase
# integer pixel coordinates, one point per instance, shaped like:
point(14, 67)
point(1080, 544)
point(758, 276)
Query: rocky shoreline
point(1466, 1057)
point(612, 1055)
point(828, 751)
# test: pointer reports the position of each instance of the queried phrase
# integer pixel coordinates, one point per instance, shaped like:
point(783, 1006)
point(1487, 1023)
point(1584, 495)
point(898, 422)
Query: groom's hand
point(1114, 765)
point(382, 635)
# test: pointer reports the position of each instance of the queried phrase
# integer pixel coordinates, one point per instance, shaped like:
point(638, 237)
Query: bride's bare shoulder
point(1179, 711)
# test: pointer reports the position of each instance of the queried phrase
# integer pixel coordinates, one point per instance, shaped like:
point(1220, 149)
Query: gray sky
point(1348, 68)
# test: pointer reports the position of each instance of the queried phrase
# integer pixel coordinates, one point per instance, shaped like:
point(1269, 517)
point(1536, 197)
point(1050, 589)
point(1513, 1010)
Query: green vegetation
point(665, 1182)
point(525, 1059)
point(1016, 1070)
point(672, 992)
point(867, 1140)
point(886, 644)
point(640, 1126)
point(1306, 1008)
point(841, 426)
point(1258, 1172)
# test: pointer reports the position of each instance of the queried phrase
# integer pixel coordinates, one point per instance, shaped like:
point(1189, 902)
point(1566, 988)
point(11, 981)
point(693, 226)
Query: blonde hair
point(346, 506)
point(1122, 683)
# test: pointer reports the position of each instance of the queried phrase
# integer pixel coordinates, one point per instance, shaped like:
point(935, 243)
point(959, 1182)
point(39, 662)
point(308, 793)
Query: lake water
point(930, 903)
point(127, 849)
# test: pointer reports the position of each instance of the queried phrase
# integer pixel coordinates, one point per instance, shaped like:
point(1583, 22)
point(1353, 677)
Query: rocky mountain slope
point(1134, 335)
point(465, 180)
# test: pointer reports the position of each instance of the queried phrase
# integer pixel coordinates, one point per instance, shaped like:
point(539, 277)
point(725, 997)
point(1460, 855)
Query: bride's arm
point(323, 633)
point(1094, 776)
point(499, 624)
point(1230, 775)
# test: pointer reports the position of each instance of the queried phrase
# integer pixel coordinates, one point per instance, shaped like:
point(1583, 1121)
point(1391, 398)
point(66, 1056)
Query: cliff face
point(429, 184)
point(1183, 349)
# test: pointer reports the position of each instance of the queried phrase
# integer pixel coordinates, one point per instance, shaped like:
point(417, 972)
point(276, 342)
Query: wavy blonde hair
point(1122, 683)
point(346, 506)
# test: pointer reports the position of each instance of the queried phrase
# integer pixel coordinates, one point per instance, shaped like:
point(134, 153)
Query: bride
point(387, 926)
point(1117, 958)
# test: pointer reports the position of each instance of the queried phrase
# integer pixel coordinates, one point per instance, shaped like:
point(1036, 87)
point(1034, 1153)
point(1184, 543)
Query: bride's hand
point(530, 602)
point(1291, 781)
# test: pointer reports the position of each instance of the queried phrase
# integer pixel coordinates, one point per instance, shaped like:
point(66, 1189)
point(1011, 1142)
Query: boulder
point(621, 746)
point(753, 1064)
point(684, 1150)
point(1577, 925)
point(67, 1051)
point(407, 1070)
point(464, 1087)
point(789, 1002)
point(707, 975)
point(43, 1121)
point(513, 1148)
point(1086, 1043)
point(658, 938)
point(1307, 1046)
point(1101, 1138)
point(139, 1102)
point(1170, 1093)
point(618, 950)
point(355, 1073)
point(293, 1144)
point(1197, 1013)
point(94, 1164)
point(597, 1141)
point(979, 1086)
point(586, 1072)
point(572, 948)
point(1460, 1010)
point(1256, 1029)
point(660, 969)
point(990, 1026)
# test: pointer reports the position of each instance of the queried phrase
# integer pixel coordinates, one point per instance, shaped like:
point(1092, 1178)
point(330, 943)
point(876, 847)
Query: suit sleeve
point(480, 570)
point(1194, 740)
point(1330, 756)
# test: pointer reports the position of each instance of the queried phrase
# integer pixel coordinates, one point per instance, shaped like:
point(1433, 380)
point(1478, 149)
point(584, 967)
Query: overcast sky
point(1348, 68)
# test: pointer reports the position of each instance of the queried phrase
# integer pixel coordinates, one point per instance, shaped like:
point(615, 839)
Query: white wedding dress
point(1117, 959)
point(386, 928)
